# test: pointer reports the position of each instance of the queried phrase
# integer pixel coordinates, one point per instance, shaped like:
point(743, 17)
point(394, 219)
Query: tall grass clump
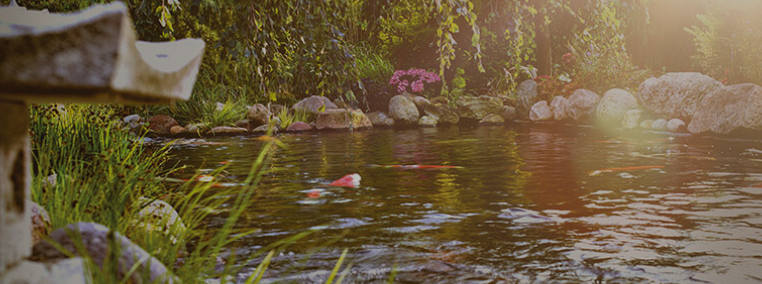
point(105, 175)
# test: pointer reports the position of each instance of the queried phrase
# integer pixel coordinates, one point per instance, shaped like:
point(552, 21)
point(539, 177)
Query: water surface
point(530, 204)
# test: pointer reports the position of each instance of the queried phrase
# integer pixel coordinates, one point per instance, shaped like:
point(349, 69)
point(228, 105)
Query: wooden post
point(15, 179)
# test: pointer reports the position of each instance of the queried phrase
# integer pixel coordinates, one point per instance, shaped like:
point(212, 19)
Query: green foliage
point(287, 116)
point(373, 63)
point(598, 58)
point(729, 42)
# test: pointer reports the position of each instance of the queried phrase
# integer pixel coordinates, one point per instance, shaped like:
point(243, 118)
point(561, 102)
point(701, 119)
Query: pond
point(526, 203)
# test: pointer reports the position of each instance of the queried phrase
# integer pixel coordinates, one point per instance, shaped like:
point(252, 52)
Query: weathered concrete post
point(90, 56)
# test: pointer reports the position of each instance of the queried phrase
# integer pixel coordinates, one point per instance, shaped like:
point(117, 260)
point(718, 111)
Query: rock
point(50, 182)
point(258, 115)
point(439, 100)
point(96, 240)
point(159, 216)
point(675, 125)
point(646, 124)
point(68, 271)
point(558, 107)
point(613, 106)
point(428, 121)
point(402, 110)
point(443, 112)
point(41, 224)
point(161, 124)
point(540, 111)
point(380, 119)
point(177, 129)
point(478, 107)
point(729, 108)
point(219, 106)
point(298, 126)
point(196, 127)
point(581, 105)
point(492, 119)
point(313, 104)
point(221, 130)
point(263, 129)
point(421, 102)
point(631, 118)
point(676, 94)
point(132, 121)
point(526, 97)
point(277, 108)
point(509, 113)
point(336, 119)
point(243, 123)
point(659, 125)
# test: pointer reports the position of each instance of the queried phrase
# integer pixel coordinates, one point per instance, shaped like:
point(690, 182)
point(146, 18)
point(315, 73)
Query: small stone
point(133, 120)
point(540, 111)
point(428, 121)
point(259, 115)
point(558, 107)
point(659, 124)
point(380, 119)
point(41, 224)
point(177, 129)
point(159, 216)
point(631, 118)
point(676, 125)
point(646, 124)
point(509, 113)
point(492, 119)
point(196, 127)
point(243, 123)
point(219, 106)
point(161, 124)
point(226, 130)
point(298, 126)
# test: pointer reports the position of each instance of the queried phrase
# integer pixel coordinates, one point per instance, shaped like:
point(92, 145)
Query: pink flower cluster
point(413, 78)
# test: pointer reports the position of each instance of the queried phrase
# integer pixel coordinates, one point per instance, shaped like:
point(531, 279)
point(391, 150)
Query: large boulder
point(729, 108)
point(258, 115)
point(378, 118)
point(675, 125)
point(581, 105)
point(478, 107)
point(558, 107)
point(526, 97)
point(540, 111)
point(314, 104)
point(613, 106)
point(161, 124)
point(96, 240)
point(443, 112)
point(676, 94)
point(509, 113)
point(160, 217)
point(402, 110)
point(339, 119)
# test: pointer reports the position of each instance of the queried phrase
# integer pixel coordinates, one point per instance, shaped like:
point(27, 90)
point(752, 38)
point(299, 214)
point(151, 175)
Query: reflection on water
point(541, 204)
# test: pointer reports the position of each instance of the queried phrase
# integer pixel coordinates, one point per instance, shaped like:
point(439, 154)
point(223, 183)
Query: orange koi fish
point(417, 166)
point(351, 180)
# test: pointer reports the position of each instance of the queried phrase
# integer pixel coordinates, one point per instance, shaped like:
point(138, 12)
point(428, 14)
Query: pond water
point(528, 203)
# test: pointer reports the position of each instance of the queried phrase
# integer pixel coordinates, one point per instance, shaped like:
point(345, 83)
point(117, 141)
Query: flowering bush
point(413, 78)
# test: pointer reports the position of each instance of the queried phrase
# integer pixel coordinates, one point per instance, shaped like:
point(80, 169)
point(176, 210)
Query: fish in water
point(417, 166)
point(609, 170)
point(350, 180)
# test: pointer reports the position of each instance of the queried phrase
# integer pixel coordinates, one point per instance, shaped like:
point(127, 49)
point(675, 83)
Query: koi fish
point(351, 180)
point(224, 162)
point(314, 193)
point(595, 173)
point(417, 166)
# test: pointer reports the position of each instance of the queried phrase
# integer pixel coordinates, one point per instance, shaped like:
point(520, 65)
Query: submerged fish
point(597, 172)
point(417, 166)
point(351, 180)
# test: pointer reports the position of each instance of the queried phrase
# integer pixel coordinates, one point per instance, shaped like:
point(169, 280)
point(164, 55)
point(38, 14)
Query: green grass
point(373, 63)
point(288, 116)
